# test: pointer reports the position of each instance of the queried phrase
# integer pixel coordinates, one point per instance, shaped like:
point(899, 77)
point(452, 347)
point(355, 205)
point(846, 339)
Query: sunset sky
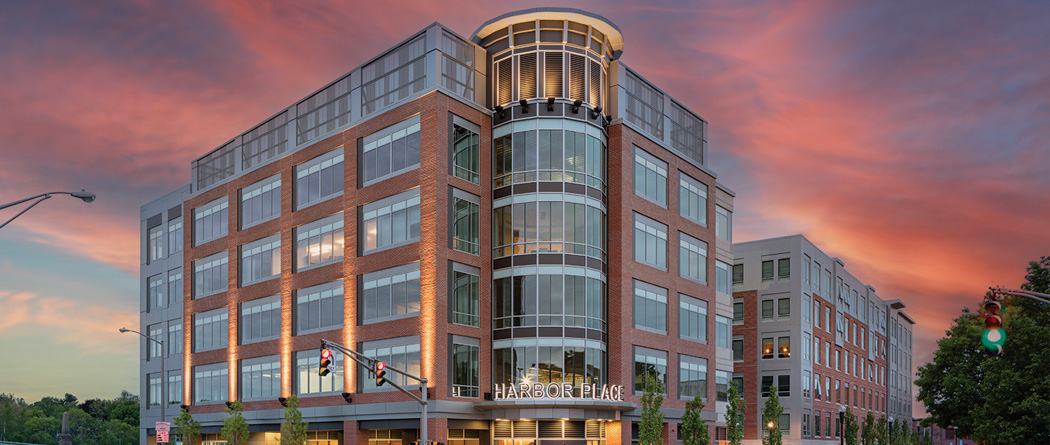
point(910, 139)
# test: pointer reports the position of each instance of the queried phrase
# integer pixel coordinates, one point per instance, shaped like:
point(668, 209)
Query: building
point(361, 215)
point(804, 324)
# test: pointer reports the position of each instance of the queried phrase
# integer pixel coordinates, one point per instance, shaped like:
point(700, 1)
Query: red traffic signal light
point(326, 363)
point(380, 373)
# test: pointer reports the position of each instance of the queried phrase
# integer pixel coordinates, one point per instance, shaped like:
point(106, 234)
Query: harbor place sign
point(564, 391)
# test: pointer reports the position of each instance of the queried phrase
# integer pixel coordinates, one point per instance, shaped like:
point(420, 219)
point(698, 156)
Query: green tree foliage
point(867, 433)
point(882, 431)
point(771, 414)
point(94, 421)
point(293, 429)
point(851, 428)
point(926, 440)
point(188, 428)
point(995, 400)
point(735, 416)
point(652, 418)
point(694, 428)
point(234, 427)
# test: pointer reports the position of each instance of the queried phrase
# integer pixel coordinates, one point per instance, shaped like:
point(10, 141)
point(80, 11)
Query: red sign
point(162, 437)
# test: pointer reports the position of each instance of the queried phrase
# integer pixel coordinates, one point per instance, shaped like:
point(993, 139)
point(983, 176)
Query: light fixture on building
point(284, 401)
point(597, 111)
point(229, 404)
point(499, 111)
point(524, 105)
point(347, 398)
point(576, 106)
point(550, 104)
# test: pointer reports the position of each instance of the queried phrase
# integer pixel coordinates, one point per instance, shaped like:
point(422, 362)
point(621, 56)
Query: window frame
point(378, 279)
point(455, 316)
point(654, 295)
point(337, 294)
point(471, 246)
point(244, 381)
point(327, 226)
point(205, 211)
point(263, 189)
point(687, 188)
point(698, 364)
point(406, 130)
point(686, 304)
point(650, 164)
point(650, 229)
point(389, 205)
point(473, 176)
point(259, 247)
point(266, 304)
point(321, 162)
point(688, 247)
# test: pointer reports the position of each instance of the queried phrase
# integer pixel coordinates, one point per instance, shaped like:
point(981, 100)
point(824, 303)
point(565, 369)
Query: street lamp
point(163, 372)
point(842, 425)
point(84, 196)
point(770, 426)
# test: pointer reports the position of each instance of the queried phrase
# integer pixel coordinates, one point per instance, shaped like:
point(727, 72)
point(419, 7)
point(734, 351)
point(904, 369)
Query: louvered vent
point(595, 429)
point(525, 428)
point(503, 82)
point(576, 77)
point(595, 86)
point(550, 429)
point(552, 79)
point(502, 429)
point(574, 429)
point(527, 76)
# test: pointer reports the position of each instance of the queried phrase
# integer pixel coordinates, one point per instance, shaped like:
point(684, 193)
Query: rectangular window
point(692, 377)
point(261, 319)
point(390, 293)
point(261, 201)
point(390, 151)
point(827, 319)
point(174, 286)
point(827, 354)
point(211, 330)
point(211, 383)
point(175, 237)
point(174, 337)
point(466, 374)
point(692, 199)
point(767, 271)
point(692, 318)
point(738, 274)
point(319, 179)
point(155, 291)
point(738, 311)
point(175, 387)
point(261, 260)
point(692, 258)
point(465, 221)
point(806, 432)
point(838, 360)
point(783, 308)
point(156, 247)
point(401, 353)
point(307, 379)
point(650, 242)
point(319, 307)
point(466, 153)
point(722, 385)
point(738, 348)
point(783, 347)
point(155, 388)
point(465, 293)
point(650, 306)
point(650, 177)
point(723, 223)
point(319, 242)
point(816, 350)
point(211, 221)
point(391, 221)
point(767, 310)
point(806, 262)
point(767, 347)
point(816, 425)
point(721, 277)
point(767, 384)
point(211, 274)
point(261, 378)
point(156, 331)
point(784, 269)
point(649, 363)
point(784, 422)
point(722, 332)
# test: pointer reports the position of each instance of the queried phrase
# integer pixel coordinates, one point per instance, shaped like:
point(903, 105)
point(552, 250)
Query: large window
point(319, 179)
point(261, 201)
point(650, 241)
point(261, 319)
point(738, 311)
point(723, 223)
point(722, 277)
point(692, 318)
point(738, 274)
point(174, 342)
point(261, 260)
point(211, 383)
point(692, 258)
point(390, 293)
point(211, 330)
point(211, 274)
point(722, 385)
point(307, 380)
point(390, 151)
point(319, 242)
point(650, 177)
point(319, 307)
point(571, 360)
point(401, 353)
point(738, 348)
point(156, 331)
point(155, 388)
point(571, 297)
point(174, 236)
point(783, 308)
point(550, 155)
point(465, 222)
point(156, 243)
point(155, 291)
point(175, 387)
point(261, 377)
point(692, 199)
point(466, 374)
point(465, 292)
point(722, 331)
point(174, 286)
point(211, 221)
point(767, 271)
point(391, 221)
point(466, 152)
point(649, 363)
point(650, 306)
point(784, 269)
point(572, 224)
point(692, 377)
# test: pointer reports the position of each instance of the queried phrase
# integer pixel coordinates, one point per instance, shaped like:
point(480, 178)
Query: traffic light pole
point(1044, 298)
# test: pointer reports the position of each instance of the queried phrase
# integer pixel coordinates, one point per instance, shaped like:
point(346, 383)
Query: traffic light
point(326, 363)
point(380, 373)
point(994, 336)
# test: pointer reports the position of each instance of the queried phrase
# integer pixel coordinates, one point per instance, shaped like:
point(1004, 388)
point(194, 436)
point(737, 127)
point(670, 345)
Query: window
point(692, 199)
point(466, 222)
point(211, 383)
point(816, 424)
point(723, 223)
point(390, 293)
point(261, 319)
point(783, 308)
point(211, 274)
point(827, 354)
point(155, 292)
point(738, 311)
point(542, 226)
point(827, 319)
point(649, 363)
point(784, 269)
point(650, 242)
point(738, 274)
point(261, 377)
point(261, 260)
point(806, 432)
point(466, 143)
point(156, 331)
point(767, 384)
point(692, 318)
point(211, 330)
point(319, 307)
point(721, 277)
point(767, 271)
point(650, 306)
point(391, 221)
point(156, 249)
point(783, 347)
point(827, 423)
point(817, 393)
point(174, 337)
point(307, 380)
point(210, 221)
point(401, 353)
point(722, 331)
point(738, 348)
point(465, 294)
point(261, 201)
point(175, 387)
point(558, 155)
point(816, 349)
point(465, 366)
point(692, 258)
point(174, 286)
point(692, 377)
point(838, 360)
point(390, 151)
point(722, 386)
point(319, 179)
point(650, 177)
point(319, 242)
point(155, 388)
point(784, 422)
point(175, 240)
point(767, 347)
point(806, 261)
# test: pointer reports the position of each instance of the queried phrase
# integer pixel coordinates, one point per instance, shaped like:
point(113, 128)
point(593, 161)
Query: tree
point(926, 439)
point(293, 429)
point(867, 433)
point(187, 427)
point(652, 418)
point(735, 416)
point(882, 431)
point(851, 428)
point(771, 418)
point(234, 427)
point(694, 428)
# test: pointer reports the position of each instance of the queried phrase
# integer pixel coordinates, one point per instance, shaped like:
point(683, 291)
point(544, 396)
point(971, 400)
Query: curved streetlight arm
point(123, 330)
point(82, 195)
point(163, 373)
point(23, 210)
point(1041, 297)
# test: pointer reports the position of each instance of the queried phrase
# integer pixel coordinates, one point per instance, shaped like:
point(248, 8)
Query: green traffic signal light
point(992, 340)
